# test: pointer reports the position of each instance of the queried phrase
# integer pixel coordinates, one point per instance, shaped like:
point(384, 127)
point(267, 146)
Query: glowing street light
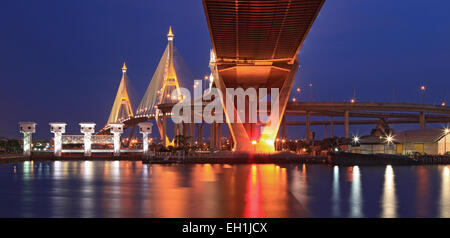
point(352, 100)
point(294, 99)
point(443, 104)
point(356, 139)
point(389, 139)
point(299, 90)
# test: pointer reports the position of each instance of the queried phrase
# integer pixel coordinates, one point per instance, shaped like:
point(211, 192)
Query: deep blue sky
point(61, 60)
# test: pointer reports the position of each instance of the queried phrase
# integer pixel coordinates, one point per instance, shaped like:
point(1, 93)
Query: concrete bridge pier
point(422, 120)
point(346, 123)
point(200, 133)
point(164, 130)
point(212, 136)
point(218, 135)
point(331, 127)
point(308, 126)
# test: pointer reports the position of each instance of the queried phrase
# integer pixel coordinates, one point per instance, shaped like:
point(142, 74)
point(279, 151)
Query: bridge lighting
point(389, 139)
point(443, 104)
point(352, 100)
point(299, 90)
point(206, 77)
point(446, 131)
point(356, 139)
point(423, 88)
point(294, 99)
point(270, 142)
point(253, 142)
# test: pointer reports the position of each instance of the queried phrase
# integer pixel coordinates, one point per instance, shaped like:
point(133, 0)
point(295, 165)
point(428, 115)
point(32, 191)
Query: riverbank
point(342, 159)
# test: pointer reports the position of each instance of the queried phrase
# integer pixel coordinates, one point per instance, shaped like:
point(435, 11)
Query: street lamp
point(423, 88)
point(389, 139)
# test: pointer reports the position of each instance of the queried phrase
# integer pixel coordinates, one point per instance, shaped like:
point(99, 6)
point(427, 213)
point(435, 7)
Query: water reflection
point(423, 192)
point(444, 203)
point(131, 189)
point(356, 202)
point(389, 199)
point(335, 198)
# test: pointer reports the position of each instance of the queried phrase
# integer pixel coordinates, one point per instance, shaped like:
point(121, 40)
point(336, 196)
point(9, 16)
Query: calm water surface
point(131, 189)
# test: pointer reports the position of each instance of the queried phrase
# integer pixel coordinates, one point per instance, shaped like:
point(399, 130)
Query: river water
point(133, 189)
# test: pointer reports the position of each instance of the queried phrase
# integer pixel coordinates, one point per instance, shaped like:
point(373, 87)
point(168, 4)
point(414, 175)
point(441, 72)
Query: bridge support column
point(346, 123)
point(116, 130)
point(219, 134)
point(331, 127)
point(27, 129)
point(87, 128)
point(185, 131)
point(145, 128)
point(164, 130)
point(57, 128)
point(191, 133)
point(422, 120)
point(308, 126)
point(200, 134)
point(212, 142)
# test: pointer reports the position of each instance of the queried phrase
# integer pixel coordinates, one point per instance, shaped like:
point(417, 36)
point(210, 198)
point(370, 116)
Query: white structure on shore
point(27, 129)
point(431, 141)
point(116, 130)
point(58, 128)
point(88, 138)
point(87, 128)
point(145, 128)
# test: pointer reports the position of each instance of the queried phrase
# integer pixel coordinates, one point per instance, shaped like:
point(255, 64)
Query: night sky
point(61, 60)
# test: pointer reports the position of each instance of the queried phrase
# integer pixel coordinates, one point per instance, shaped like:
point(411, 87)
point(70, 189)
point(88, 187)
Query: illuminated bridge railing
point(95, 139)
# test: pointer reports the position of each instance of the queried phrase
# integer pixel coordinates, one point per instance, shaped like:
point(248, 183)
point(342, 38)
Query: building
point(425, 141)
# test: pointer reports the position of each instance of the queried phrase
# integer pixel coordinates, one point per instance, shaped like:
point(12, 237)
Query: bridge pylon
point(163, 83)
point(121, 109)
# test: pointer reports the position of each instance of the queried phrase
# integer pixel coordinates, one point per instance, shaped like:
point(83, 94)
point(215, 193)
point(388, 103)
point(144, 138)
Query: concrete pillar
point(116, 130)
point(422, 120)
point(212, 135)
point(191, 133)
point(87, 128)
point(219, 134)
point(58, 128)
point(185, 130)
point(308, 126)
point(145, 128)
point(164, 130)
point(27, 129)
point(346, 123)
point(331, 127)
point(200, 133)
